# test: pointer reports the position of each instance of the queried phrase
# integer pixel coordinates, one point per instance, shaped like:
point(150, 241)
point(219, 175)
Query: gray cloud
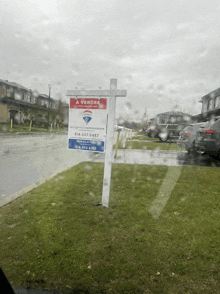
point(158, 50)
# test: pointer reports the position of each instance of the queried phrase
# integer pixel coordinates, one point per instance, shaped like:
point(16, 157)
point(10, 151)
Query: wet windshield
point(110, 145)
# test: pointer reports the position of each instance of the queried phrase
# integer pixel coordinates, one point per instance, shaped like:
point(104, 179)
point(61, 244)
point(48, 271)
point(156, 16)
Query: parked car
point(151, 132)
point(188, 135)
point(162, 132)
point(208, 139)
point(168, 131)
point(165, 131)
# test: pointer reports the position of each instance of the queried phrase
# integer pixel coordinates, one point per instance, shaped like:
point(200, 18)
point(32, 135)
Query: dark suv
point(151, 132)
point(208, 140)
point(188, 135)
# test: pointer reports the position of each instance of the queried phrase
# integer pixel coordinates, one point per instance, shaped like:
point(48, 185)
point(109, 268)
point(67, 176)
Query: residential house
point(210, 106)
point(20, 104)
point(173, 117)
point(12, 97)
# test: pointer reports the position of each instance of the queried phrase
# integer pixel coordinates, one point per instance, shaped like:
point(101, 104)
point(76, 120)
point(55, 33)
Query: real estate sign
point(87, 124)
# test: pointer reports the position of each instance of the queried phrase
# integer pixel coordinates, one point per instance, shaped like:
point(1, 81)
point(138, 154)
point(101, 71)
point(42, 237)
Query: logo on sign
point(87, 116)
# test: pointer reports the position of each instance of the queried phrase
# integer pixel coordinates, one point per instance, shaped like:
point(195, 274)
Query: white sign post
point(91, 137)
point(109, 145)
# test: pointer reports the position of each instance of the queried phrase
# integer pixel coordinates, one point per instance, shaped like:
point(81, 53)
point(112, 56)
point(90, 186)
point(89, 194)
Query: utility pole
point(49, 90)
point(49, 105)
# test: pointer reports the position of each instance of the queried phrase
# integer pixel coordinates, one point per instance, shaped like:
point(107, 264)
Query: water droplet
point(128, 104)
point(88, 167)
point(12, 226)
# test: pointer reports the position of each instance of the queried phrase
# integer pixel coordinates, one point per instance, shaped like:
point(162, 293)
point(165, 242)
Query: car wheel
point(193, 150)
point(163, 137)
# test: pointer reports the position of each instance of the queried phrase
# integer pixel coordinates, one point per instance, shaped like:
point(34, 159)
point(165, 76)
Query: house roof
point(4, 82)
point(173, 113)
point(212, 94)
point(44, 96)
point(19, 86)
point(13, 84)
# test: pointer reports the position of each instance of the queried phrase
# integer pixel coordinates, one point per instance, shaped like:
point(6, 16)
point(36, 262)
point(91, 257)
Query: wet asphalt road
point(25, 160)
point(161, 157)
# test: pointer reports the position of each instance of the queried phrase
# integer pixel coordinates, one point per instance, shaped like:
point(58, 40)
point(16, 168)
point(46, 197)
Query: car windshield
point(109, 146)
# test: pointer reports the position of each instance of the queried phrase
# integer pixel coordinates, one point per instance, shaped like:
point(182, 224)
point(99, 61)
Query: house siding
point(3, 113)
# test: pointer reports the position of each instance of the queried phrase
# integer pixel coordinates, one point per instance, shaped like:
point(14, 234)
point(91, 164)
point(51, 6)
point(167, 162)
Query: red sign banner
point(88, 103)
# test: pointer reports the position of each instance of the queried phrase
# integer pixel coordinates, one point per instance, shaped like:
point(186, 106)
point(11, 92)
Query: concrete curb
point(9, 199)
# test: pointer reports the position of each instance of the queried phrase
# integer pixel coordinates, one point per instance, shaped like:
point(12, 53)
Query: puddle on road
point(157, 157)
point(199, 160)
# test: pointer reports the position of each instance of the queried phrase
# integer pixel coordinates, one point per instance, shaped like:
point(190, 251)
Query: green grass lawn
point(156, 144)
point(50, 240)
point(26, 129)
point(143, 137)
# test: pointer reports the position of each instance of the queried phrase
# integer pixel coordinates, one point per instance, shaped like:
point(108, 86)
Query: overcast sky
point(165, 53)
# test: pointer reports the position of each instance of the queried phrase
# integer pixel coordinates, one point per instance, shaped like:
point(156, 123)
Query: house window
point(28, 97)
point(165, 119)
point(17, 96)
point(33, 100)
point(209, 104)
point(8, 92)
point(217, 102)
point(204, 107)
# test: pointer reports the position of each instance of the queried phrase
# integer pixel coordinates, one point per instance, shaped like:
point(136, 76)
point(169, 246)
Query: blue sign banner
point(90, 145)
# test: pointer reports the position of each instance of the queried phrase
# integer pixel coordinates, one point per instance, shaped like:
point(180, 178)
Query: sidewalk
point(29, 133)
point(135, 156)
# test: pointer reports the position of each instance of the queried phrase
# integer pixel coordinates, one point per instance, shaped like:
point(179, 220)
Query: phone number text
point(86, 135)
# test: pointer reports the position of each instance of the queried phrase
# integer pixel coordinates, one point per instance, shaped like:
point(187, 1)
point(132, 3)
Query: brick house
point(19, 104)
